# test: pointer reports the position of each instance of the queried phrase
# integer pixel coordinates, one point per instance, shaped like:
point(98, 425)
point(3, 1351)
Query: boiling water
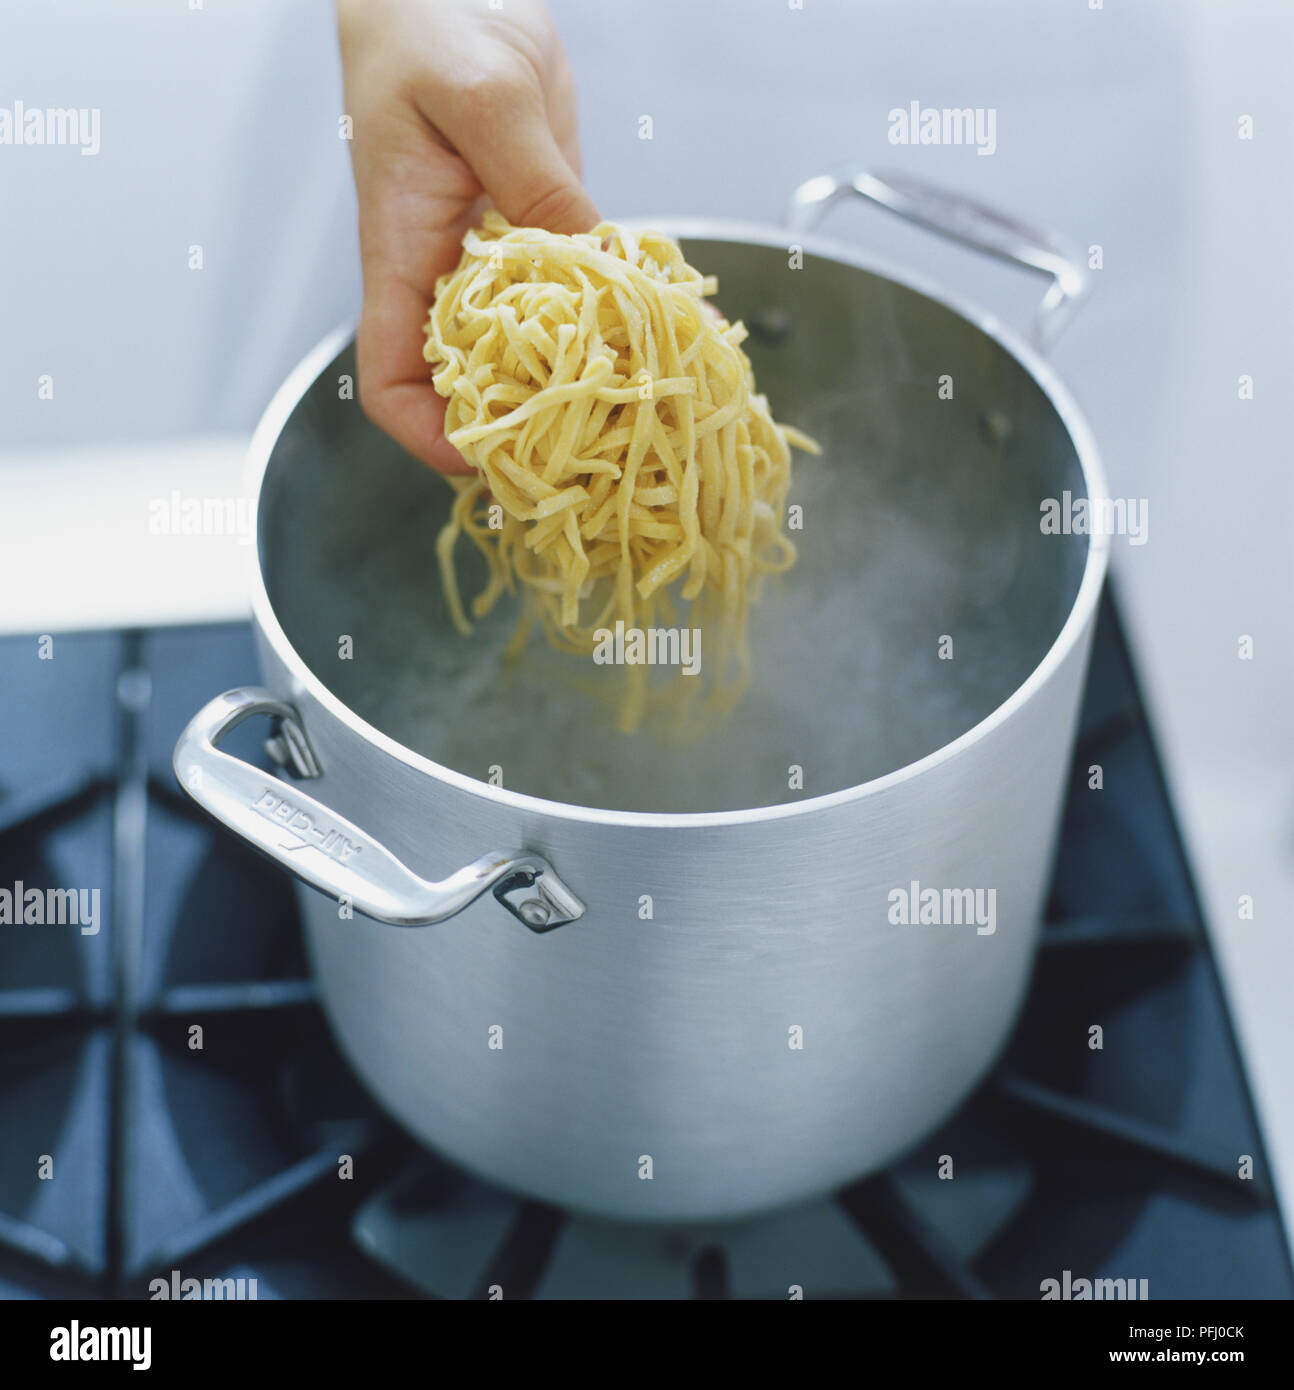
point(905, 621)
point(924, 593)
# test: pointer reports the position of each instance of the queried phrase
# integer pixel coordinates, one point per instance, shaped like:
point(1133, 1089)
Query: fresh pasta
point(623, 456)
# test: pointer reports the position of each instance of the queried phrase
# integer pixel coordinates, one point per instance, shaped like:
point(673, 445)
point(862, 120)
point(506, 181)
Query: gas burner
point(452, 1237)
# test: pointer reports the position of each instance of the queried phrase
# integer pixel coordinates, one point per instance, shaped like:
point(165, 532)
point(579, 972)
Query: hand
point(452, 102)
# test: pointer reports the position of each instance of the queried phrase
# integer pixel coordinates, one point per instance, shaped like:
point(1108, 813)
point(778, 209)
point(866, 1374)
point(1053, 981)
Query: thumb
point(511, 149)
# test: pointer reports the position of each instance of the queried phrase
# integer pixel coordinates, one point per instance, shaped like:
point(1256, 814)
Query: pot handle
point(962, 220)
point(329, 852)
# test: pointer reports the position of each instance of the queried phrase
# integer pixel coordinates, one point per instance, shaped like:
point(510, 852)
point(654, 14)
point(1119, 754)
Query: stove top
point(172, 1106)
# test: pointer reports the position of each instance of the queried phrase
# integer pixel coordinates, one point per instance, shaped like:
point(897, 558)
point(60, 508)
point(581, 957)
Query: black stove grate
point(222, 1161)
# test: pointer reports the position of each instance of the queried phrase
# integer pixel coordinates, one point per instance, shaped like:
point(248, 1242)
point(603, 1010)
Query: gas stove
point(175, 1120)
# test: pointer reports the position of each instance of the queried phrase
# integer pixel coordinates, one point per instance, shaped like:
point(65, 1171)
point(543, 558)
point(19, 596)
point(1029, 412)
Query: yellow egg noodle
point(612, 416)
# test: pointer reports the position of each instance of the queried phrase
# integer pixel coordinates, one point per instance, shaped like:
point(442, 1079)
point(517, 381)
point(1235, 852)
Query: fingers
point(501, 129)
point(416, 201)
point(394, 379)
point(418, 187)
point(563, 117)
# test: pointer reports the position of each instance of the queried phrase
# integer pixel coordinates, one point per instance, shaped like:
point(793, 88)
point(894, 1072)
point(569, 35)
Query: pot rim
point(303, 376)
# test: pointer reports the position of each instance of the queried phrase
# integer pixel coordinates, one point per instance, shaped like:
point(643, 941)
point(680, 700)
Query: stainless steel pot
point(674, 981)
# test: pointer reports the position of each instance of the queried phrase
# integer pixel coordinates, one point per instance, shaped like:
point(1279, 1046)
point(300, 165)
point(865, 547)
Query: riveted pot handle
point(960, 219)
point(329, 852)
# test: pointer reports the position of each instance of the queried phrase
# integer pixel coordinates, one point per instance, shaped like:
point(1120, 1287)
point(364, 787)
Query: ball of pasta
point(614, 424)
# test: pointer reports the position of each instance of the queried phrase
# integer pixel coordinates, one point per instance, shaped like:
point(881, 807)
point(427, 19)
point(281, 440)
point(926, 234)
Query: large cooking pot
point(663, 979)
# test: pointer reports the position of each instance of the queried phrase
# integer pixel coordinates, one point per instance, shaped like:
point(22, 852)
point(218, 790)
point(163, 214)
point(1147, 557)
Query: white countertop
point(98, 536)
